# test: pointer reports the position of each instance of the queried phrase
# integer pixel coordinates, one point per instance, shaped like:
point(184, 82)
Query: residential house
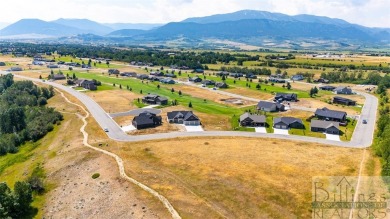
point(86, 84)
point(342, 90)
point(328, 88)
point(223, 73)
point(280, 97)
point(221, 85)
point(270, 106)
point(167, 81)
point(58, 77)
point(52, 66)
point(297, 77)
point(155, 99)
point(113, 72)
point(143, 76)
point(251, 76)
point(128, 74)
point(288, 122)
point(208, 82)
point(183, 117)
point(322, 80)
point(328, 127)
point(236, 75)
point(146, 120)
point(276, 80)
point(199, 70)
point(171, 75)
point(251, 120)
point(16, 69)
point(195, 79)
point(331, 115)
point(158, 73)
point(344, 101)
point(2, 63)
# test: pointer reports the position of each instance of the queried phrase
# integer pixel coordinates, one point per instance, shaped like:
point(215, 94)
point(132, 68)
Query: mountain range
point(250, 27)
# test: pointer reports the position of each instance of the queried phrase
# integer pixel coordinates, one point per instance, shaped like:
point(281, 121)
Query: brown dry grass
point(113, 101)
point(250, 93)
point(316, 103)
point(235, 177)
point(69, 167)
point(213, 96)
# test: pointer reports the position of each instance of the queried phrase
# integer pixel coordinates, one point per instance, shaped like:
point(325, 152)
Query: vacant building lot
point(214, 178)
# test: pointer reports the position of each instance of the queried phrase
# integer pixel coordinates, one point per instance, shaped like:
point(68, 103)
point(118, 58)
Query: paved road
point(361, 138)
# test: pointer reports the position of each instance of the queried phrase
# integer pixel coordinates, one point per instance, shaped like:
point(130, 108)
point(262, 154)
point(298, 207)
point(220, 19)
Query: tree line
point(23, 115)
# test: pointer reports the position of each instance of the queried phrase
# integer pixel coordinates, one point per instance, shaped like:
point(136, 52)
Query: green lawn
point(145, 87)
point(75, 60)
point(348, 130)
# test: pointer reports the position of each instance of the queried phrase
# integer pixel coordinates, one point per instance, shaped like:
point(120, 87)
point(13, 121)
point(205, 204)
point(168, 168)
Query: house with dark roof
point(330, 115)
point(199, 70)
point(128, 74)
point(208, 82)
point(171, 75)
point(113, 72)
point(280, 97)
point(327, 87)
point(343, 101)
point(155, 99)
point(16, 69)
point(143, 76)
point(58, 77)
point(342, 90)
point(288, 122)
point(277, 80)
point(236, 75)
point(195, 79)
point(270, 106)
point(146, 120)
point(167, 81)
point(183, 117)
point(251, 120)
point(322, 80)
point(86, 84)
point(328, 127)
point(221, 85)
point(52, 66)
point(2, 63)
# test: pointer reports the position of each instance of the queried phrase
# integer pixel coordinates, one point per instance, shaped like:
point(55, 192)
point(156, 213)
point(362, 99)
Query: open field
point(113, 101)
point(210, 177)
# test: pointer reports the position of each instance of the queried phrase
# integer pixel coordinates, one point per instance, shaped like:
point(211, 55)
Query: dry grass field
point(235, 177)
point(113, 101)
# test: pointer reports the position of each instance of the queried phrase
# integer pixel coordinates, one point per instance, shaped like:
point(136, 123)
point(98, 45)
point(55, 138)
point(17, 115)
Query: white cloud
point(365, 12)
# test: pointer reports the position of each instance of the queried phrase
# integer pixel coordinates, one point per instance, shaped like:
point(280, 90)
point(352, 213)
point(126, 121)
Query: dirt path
point(119, 161)
point(355, 198)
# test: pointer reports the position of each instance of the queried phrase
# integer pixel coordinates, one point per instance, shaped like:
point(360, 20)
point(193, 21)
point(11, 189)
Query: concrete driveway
point(281, 131)
point(332, 137)
point(260, 130)
point(193, 128)
point(128, 128)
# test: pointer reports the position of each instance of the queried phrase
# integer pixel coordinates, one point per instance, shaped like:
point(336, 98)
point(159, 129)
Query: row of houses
point(327, 121)
point(147, 119)
point(338, 90)
point(208, 82)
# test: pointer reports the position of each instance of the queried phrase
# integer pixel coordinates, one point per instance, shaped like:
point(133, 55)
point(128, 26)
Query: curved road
point(362, 136)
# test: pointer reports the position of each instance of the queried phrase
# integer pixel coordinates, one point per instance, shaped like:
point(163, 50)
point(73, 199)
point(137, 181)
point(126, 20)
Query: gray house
point(342, 90)
point(270, 106)
point(251, 120)
point(344, 101)
point(113, 71)
point(325, 126)
point(146, 120)
point(288, 122)
point(58, 77)
point(208, 82)
point(330, 115)
point(280, 97)
point(183, 117)
point(221, 85)
point(154, 99)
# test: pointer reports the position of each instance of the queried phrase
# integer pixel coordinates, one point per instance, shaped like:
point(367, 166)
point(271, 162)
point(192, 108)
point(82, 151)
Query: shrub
point(95, 175)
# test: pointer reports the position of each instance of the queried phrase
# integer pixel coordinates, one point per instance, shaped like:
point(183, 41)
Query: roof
point(327, 87)
point(324, 124)
point(185, 115)
point(254, 118)
point(287, 120)
point(266, 104)
point(341, 88)
point(145, 118)
point(343, 99)
point(286, 95)
point(325, 112)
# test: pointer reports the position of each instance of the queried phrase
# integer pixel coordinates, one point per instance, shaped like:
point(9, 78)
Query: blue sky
point(373, 13)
